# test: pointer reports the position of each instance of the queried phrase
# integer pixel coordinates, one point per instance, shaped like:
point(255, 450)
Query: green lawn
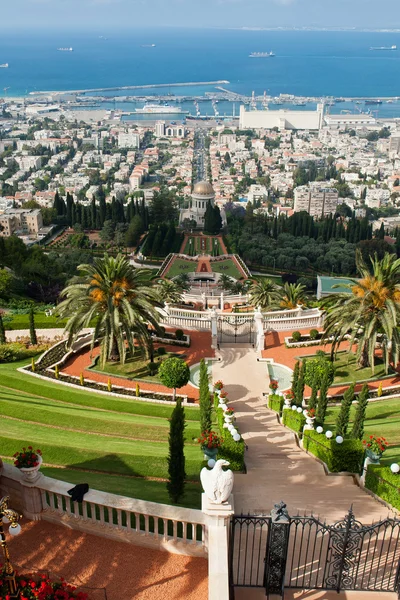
point(109, 442)
point(227, 267)
point(347, 369)
point(275, 278)
point(383, 419)
point(179, 266)
point(41, 321)
point(135, 368)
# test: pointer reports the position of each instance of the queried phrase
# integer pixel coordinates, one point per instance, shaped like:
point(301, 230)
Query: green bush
point(230, 450)
point(179, 334)
point(316, 369)
point(294, 420)
point(296, 336)
point(17, 351)
point(384, 483)
point(348, 456)
point(276, 403)
point(153, 368)
point(162, 351)
point(313, 334)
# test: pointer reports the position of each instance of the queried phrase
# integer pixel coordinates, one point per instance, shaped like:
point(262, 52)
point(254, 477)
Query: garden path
point(277, 468)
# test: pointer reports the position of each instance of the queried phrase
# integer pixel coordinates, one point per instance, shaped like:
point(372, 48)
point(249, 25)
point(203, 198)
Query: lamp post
point(7, 515)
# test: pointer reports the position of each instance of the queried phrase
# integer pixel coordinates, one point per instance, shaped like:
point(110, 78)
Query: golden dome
point(203, 188)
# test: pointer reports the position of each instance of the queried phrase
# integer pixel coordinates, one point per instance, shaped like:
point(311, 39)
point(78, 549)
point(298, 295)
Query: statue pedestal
point(218, 520)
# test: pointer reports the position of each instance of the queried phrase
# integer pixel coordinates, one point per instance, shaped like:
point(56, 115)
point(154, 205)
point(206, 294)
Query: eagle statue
point(217, 484)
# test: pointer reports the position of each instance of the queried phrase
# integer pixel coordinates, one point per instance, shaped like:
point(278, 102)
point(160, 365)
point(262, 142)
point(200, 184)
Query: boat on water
point(373, 102)
point(261, 55)
point(65, 49)
point(394, 47)
point(159, 109)
point(4, 66)
point(148, 45)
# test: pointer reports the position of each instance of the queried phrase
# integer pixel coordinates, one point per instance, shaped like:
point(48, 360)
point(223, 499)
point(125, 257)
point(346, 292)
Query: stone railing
point(191, 532)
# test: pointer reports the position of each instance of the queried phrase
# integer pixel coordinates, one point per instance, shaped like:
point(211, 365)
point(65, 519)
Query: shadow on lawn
point(113, 464)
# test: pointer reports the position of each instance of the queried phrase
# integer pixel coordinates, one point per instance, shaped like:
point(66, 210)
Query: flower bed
point(348, 456)
point(294, 420)
point(230, 450)
point(41, 587)
point(385, 484)
point(276, 402)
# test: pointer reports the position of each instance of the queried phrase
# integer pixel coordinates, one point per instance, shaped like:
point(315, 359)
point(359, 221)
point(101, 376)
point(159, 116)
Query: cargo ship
point(261, 54)
point(159, 109)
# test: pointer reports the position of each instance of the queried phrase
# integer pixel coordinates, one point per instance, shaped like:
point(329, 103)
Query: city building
point(175, 131)
point(315, 200)
point(394, 144)
point(20, 220)
point(129, 140)
point(283, 119)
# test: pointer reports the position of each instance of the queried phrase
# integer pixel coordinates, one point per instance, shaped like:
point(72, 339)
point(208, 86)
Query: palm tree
point(371, 309)
point(292, 295)
point(116, 298)
point(169, 291)
point(183, 281)
point(225, 282)
point(264, 294)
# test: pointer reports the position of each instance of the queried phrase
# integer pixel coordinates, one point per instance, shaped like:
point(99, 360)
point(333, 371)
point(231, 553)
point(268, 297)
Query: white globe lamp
point(329, 434)
point(395, 468)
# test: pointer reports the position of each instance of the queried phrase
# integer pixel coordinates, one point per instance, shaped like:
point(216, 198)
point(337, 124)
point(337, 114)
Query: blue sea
point(307, 63)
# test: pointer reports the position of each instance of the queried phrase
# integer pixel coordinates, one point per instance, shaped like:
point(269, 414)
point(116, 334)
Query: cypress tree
point(358, 426)
point(205, 399)
point(93, 213)
point(323, 398)
point(32, 331)
point(295, 377)
point(176, 457)
point(312, 403)
point(2, 331)
point(300, 384)
point(342, 420)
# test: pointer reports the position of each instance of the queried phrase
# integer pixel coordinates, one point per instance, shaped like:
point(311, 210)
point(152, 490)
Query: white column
point(214, 328)
point(222, 301)
point(218, 519)
point(258, 320)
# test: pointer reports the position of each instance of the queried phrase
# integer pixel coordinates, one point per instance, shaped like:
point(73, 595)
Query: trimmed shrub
point(316, 369)
point(161, 351)
point(179, 334)
point(230, 450)
point(276, 403)
point(384, 483)
point(176, 456)
point(296, 336)
point(18, 351)
point(294, 420)
point(347, 456)
point(152, 368)
point(313, 334)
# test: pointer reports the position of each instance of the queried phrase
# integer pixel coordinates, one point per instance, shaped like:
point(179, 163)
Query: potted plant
point(229, 415)
point(223, 396)
point(28, 462)
point(289, 398)
point(210, 442)
point(218, 385)
point(273, 385)
point(309, 414)
point(375, 447)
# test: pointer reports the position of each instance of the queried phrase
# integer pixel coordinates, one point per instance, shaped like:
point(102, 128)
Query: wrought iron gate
point(236, 329)
point(277, 552)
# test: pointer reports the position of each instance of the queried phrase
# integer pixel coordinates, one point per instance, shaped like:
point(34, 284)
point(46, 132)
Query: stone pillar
point(32, 499)
point(218, 525)
point(214, 328)
point(222, 301)
point(367, 461)
point(258, 321)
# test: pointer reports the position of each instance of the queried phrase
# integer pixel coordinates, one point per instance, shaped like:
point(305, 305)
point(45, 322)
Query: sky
point(112, 14)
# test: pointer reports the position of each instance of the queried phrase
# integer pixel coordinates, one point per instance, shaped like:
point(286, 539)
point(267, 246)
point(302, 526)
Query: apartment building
point(129, 140)
point(315, 200)
point(20, 220)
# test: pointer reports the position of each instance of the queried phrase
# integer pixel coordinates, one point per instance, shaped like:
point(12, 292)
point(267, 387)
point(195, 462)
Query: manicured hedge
point(384, 483)
point(294, 420)
point(230, 450)
point(276, 403)
point(348, 456)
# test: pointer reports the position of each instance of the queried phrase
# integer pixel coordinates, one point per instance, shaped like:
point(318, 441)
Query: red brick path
point(200, 348)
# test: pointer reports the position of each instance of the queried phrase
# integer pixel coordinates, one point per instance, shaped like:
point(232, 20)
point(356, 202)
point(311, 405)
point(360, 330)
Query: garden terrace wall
point(348, 456)
point(381, 481)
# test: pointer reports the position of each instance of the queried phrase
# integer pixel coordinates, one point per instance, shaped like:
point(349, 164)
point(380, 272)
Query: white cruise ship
point(4, 66)
point(158, 109)
point(65, 49)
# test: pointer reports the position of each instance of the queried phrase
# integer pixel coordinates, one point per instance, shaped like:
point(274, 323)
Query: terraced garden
point(115, 445)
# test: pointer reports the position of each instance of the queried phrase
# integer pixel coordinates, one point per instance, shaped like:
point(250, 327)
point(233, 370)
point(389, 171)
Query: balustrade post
point(32, 499)
point(218, 525)
point(277, 550)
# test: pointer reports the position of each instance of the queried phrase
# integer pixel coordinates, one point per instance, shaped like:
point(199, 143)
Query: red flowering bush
point(273, 385)
point(27, 458)
point(289, 395)
point(230, 411)
point(210, 439)
point(40, 587)
point(311, 413)
point(223, 395)
point(218, 385)
point(375, 444)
